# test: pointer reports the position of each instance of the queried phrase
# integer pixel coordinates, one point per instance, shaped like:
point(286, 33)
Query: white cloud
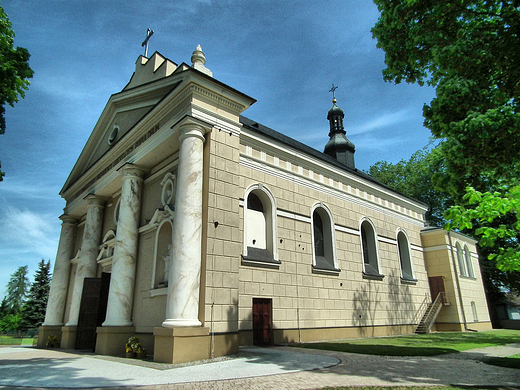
point(381, 122)
point(24, 232)
point(14, 187)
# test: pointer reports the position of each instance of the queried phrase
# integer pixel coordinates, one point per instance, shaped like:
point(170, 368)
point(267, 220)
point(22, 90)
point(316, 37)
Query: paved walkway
point(254, 368)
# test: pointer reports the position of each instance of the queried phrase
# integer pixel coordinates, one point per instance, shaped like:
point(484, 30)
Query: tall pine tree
point(33, 312)
point(17, 288)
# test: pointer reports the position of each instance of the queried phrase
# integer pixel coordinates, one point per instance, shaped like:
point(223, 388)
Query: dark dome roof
point(335, 111)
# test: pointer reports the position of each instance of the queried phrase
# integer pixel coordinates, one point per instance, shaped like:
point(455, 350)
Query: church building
point(200, 230)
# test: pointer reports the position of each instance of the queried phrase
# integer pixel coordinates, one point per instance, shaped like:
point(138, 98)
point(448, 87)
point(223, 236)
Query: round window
point(113, 136)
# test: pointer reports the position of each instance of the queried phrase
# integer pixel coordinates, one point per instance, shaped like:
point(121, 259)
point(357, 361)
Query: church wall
point(109, 222)
point(302, 298)
point(79, 237)
point(224, 241)
point(440, 262)
point(149, 308)
point(151, 199)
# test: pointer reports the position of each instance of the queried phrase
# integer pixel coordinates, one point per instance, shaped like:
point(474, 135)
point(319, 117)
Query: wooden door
point(436, 286)
point(92, 310)
point(262, 334)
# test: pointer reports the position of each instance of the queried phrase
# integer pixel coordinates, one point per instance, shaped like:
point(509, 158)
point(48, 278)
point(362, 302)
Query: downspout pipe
point(458, 287)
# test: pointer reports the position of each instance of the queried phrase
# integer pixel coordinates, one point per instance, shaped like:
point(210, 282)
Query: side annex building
point(200, 230)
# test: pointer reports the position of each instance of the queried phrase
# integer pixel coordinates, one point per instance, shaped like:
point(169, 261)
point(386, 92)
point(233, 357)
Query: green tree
point(416, 178)
point(468, 51)
point(17, 289)
point(9, 322)
point(14, 70)
point(33, 312)
point(488, 208)
point(413, 178)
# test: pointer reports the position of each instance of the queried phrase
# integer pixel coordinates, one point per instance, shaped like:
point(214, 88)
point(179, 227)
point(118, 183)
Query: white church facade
point(200, 230)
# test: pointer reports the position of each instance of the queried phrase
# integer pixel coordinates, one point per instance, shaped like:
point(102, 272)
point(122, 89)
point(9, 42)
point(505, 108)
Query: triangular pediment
point(135, 125)
point(124, 111)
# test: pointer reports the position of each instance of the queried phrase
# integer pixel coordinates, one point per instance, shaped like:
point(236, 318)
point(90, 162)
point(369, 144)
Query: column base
point(181, 345)
point(111, 340)
point(68, 336)
point(45, 331)
point(177, 323)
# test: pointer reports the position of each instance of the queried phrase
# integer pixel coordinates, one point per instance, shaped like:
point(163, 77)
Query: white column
point(61, 273)
point(184, 280)
point(121, 293)
point(87, 264)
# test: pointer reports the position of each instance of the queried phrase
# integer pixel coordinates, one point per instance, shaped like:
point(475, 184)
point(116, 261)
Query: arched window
point(369, 249)
point(474, 309)
point(469, 263)
point(323, 239)
point(460, 259)
point(405, 258)
point(260, 226)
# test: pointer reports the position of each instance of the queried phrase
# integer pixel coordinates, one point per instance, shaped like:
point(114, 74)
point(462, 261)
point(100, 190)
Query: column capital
point(68, 220)
point(190, 129)
point(132, 171)
point(95, 200)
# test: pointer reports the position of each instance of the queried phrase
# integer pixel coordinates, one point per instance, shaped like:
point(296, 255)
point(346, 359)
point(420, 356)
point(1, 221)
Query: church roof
point(264, 130)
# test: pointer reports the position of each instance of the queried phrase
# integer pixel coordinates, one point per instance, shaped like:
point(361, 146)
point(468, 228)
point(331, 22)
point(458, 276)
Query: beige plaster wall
point(149, 310)
point(300, 297)
point(224, 239)
point(439, 262)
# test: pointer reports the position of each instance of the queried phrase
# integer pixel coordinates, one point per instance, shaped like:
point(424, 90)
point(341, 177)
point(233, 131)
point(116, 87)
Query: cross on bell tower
point(339, 146)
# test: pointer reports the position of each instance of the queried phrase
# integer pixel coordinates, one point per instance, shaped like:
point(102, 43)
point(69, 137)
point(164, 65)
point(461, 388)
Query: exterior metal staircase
point(430, 315)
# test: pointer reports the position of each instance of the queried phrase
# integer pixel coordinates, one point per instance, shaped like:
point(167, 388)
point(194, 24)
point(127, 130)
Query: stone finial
point(198, 61)
point(198, 56)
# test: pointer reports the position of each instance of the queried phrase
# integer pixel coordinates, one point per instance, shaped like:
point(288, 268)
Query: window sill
point(408, 280)
point(325, 271)
point(468, 277)
point(158, 291)
point(260, 258)
point(373, 276)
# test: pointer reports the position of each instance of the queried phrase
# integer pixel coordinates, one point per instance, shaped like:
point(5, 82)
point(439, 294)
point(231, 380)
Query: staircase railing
point(422, 309)
point(431, 314)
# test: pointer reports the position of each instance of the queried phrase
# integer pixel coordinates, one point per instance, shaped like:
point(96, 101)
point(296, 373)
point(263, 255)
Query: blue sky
point(286, 54)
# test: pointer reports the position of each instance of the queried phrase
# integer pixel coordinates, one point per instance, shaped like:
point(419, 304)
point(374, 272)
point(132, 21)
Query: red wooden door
point(436, 286)
point(262, 308)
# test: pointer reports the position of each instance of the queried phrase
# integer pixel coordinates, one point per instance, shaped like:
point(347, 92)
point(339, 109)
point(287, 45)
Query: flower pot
point(130, 354)
point(141, 355)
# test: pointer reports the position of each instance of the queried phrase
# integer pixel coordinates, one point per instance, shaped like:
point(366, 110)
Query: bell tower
point(339, 146)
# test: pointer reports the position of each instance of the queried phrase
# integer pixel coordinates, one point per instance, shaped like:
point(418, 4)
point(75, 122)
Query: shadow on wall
point(401, 309)
point(228, 343)
point(366, 303)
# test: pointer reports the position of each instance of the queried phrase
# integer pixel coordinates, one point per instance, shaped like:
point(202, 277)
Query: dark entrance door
point(436, 286)
point(262, 308)
point(92, 310)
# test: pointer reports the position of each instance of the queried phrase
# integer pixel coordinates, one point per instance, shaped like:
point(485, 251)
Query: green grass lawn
point(420, 345)
point(16, 340)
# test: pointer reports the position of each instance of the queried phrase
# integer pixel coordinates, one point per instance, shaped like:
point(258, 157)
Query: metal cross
point(333, 89)
point(149, 33)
